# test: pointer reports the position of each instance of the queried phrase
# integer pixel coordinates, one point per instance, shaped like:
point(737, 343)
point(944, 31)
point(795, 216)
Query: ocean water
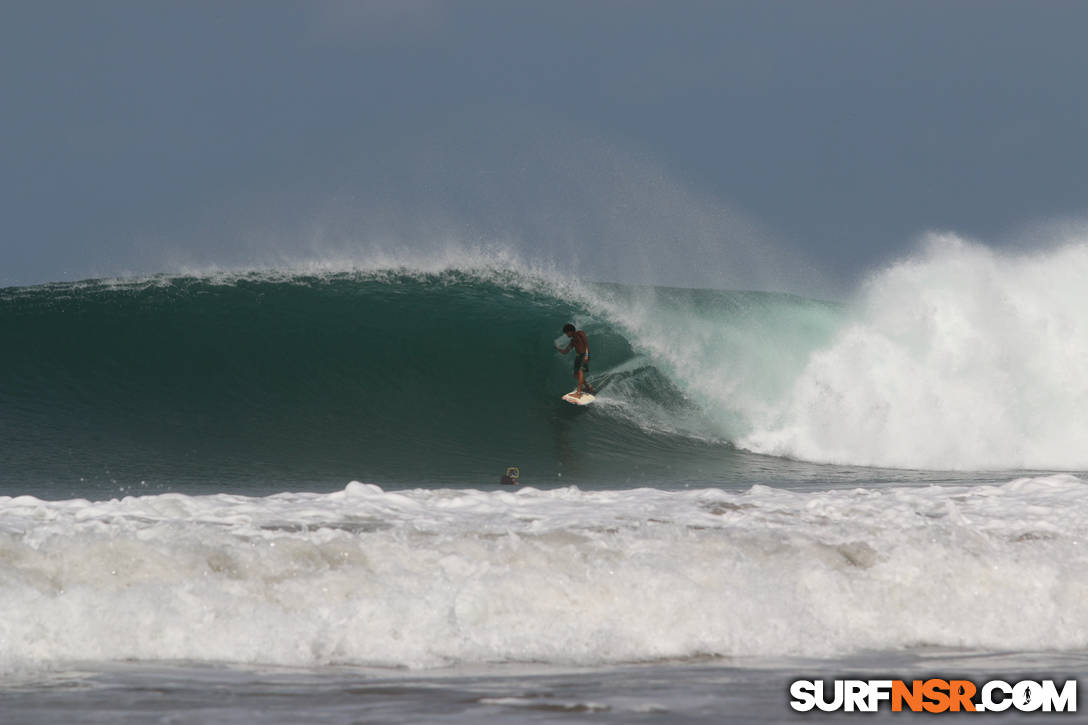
point(273, 496)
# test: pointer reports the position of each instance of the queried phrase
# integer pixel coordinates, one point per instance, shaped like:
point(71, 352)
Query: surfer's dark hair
point(568, 327)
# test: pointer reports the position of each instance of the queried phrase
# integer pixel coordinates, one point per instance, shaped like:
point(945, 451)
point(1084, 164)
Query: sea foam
point(961, 358)
point(427, 578)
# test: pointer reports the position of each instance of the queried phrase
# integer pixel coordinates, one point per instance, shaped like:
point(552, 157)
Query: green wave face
point(396, 378)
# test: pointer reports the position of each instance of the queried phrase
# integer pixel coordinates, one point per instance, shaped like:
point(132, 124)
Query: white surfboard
point(586, 398)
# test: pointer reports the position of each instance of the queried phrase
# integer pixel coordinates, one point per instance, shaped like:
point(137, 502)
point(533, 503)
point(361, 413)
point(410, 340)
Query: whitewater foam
point(962, 358)
point(426, 578)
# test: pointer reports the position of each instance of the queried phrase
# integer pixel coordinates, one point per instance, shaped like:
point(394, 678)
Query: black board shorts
point(581, 363)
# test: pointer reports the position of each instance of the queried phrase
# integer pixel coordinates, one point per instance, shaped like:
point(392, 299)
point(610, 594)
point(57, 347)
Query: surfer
point(580, 343)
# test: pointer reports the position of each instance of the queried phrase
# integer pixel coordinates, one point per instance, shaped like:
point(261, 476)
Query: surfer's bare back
point(580, 343)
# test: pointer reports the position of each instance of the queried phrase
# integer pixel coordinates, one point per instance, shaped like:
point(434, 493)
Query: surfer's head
point(568, 329)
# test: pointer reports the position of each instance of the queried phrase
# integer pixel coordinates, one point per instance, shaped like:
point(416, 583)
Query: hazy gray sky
point(773, 144)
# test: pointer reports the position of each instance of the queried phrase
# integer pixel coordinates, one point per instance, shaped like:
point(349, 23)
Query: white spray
point(962, 358)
